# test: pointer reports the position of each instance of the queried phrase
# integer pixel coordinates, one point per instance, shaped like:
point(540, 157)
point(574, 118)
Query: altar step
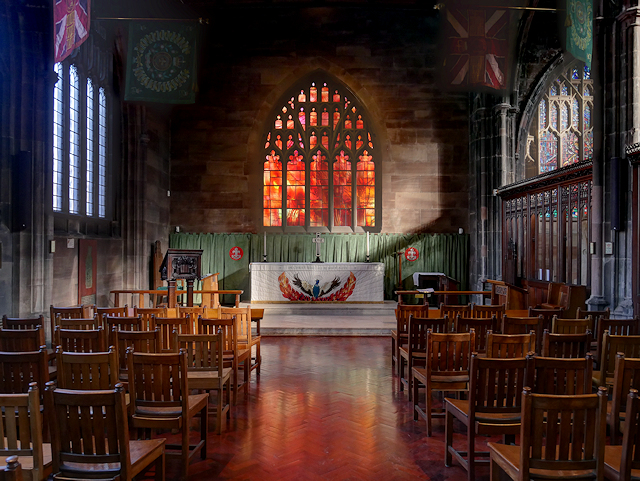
point(327, 319)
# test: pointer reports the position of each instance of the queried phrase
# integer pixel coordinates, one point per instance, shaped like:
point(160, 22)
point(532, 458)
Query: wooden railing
point(156, 293)
point(448, 294)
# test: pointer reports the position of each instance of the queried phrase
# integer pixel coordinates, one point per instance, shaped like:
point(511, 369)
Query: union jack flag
point(71, 25)
point(477, 53)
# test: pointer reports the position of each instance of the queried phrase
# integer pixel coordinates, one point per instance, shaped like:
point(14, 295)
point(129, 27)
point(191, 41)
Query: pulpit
point(438, 281)
point(180, 264)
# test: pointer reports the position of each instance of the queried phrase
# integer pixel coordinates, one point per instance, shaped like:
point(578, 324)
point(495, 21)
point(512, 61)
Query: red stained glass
point(347, 122)
point(290, 122)
point(366, 191)
point(359, 142)
point(336, 96)
point(301, 118)
point(296, 189)
point(313, 118)
point(325, 141)
point(278, 123)
point(266, 145)
point(302, 97)
point(313, 140)
point(325, 117)
point(347, 141)
point(290, 142)
point(342, 190)
point(313, 93)
point(336, 118)
point(319, 191)
point(359, 123)
point(272, 201)
point(325, 93)
point(279, 142)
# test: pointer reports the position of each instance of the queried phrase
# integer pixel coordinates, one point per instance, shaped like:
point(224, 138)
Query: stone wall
point(388, 59)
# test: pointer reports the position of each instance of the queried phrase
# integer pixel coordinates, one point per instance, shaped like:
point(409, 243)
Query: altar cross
point(317, 241)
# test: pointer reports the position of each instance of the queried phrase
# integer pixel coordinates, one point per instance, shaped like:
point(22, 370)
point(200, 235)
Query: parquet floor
point(325, 408)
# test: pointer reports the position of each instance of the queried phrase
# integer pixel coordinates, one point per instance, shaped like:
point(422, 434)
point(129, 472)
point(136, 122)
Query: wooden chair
point(582, 313)
point(20, 369)
point(493, 407)
point(626, 377)
point(510, 345)
point(571, 326)
point(569, 445)
point(75, 312)
point(566, 345)
point(524, 325)
point(414, 353)
point(97, 445)
point(160, 400)
point(147, 314)
point(621, 463)
point(22, 322)
point(21, 340)
point(12, 470)
point(193, 313)
point(103, 312)
point(616, 327)
point(234, 355)
point(139, 341)
point(561, 376)
point(123, 323)
point(245, 338)
point(481, 326)
point(487, 312)
point(206, 371)
point(88, 371)
point(447, 369)
point(611, 345)
point(453, 310)
point(166, 326)
point(401, 333)
point(79, 323)
point(76, 340)
point(21, 431)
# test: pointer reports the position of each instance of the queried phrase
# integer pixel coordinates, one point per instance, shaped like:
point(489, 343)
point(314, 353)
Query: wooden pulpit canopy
point(181, 264)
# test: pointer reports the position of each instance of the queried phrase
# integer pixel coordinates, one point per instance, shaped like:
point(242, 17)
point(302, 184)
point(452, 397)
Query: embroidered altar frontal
point(317, 282)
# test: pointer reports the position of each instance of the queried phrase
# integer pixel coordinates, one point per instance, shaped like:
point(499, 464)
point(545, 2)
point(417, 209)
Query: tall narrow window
point(90, 147)
point(331, 164)
point(58, 150)
point(74, 140)
point(102, 153)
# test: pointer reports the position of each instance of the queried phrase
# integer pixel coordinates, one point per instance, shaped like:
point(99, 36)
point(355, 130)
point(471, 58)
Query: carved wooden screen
point(320, 162)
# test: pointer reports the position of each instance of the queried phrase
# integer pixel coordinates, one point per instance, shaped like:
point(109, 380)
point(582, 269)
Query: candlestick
point(367, 246)
point(264, 242)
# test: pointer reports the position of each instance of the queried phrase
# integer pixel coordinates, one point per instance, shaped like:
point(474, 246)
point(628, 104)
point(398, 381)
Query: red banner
point(71, 20)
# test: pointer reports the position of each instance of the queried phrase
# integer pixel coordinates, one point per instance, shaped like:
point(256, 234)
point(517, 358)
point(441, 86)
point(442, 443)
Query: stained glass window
point(564, 131)
point(331, 163)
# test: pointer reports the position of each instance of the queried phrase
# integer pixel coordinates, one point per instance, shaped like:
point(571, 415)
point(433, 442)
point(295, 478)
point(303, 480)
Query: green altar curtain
point(447, 253)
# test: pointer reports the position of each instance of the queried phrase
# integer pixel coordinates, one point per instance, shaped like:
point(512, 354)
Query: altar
point(357, 282)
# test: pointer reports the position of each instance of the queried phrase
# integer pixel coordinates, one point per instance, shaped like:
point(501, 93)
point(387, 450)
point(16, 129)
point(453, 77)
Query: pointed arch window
point(320, 163)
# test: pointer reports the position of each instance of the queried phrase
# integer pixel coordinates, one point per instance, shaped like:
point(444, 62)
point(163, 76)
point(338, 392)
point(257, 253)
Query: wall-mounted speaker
point(21, 191)
point(616, 188)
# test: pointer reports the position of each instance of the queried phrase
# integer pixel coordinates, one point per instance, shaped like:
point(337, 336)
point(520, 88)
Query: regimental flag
point(161, 64)
point(71, 20)
point(476, 48)
point(580, 30)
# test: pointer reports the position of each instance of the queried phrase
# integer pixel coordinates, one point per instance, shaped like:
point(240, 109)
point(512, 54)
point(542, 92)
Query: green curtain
point(448, 253)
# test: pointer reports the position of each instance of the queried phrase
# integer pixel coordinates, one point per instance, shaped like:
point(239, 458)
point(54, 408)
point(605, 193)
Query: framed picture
point(87, 271)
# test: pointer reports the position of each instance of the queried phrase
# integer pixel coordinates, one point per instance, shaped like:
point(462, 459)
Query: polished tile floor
point(325, 408)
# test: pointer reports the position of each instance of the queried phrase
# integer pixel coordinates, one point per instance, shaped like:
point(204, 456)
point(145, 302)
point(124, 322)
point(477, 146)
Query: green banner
point(580, 29)
point(161, 64)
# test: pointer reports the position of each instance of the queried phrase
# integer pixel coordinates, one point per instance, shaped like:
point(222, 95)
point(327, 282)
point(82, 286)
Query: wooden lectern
point(180, 264)
point(438, 281)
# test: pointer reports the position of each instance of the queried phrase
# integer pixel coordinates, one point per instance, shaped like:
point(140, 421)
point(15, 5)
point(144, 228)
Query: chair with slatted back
point(75, 312)
point(82, 323)
point(566, 345)
point(245, 334)
point(487, 312)
point(160, 400)
point(571, 326)
point(493, 407)
point(21, 431)
point(22, 322)
point(561, 376)
point(547, 315)
point(622, 463)
point(147, 314)
point(611, 345)
point(19, 369)
point(626, 377)
point(453, 310)
point(206, 371)
point(21, 340)
point(524, 325)
point(582, 313)
point(447, 369)
point(415, 351)
point(12, 470)
point(123, 323)
point(104, 312)
point(510, 345)
point(87, 371)
point(85, 340)
point(97, 446)
point(616, 327)
point(139, 341)
point(569, 445)
point(481, 326)
point(192, 311)
point(166, 326)
point(234, 356)
point(401, 332)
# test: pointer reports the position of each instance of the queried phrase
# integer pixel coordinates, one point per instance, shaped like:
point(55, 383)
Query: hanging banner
point(236, 253)
point(71, 20)
point(411, 254)
point(580, 30)
point(161, 64)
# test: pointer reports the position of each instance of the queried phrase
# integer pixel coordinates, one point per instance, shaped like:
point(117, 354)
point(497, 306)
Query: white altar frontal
point(358, 282)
